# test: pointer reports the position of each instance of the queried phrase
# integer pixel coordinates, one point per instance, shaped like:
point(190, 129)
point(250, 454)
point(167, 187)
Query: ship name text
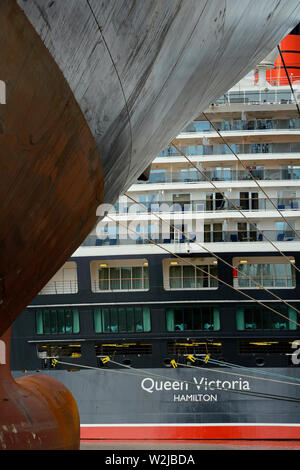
point(150, 385)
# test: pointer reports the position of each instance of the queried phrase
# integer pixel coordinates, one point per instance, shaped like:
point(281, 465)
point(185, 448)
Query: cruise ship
point(178, 317)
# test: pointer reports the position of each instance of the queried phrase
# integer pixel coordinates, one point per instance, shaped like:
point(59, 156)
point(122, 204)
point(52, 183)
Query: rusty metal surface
point(51, 179)
point(36, 412)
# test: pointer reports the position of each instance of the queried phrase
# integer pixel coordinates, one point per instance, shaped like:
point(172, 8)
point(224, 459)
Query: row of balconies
point(221, 174)
point(239, 125)
point(222, 149)
point(209, 205)
point(214, 236)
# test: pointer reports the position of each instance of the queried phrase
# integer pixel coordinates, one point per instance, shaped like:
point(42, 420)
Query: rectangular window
point(213, 233)
point(195, 273)
point(287, 200)
point(261, 318)
point(246, 232)
point(290, 172)
point(192, 318)
point(285, 231)
point(122, 319)
point(111, 276)
point(190, 277)
point(57, 321)
point(254, 275)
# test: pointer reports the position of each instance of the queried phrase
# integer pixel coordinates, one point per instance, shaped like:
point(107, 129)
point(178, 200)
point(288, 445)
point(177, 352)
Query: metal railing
point(124, 284)
point(194, 176)
point(60, 287)
point(265, 280)
point(259, 95)
point(226, 236)
point(249, 125)
point(205, 205)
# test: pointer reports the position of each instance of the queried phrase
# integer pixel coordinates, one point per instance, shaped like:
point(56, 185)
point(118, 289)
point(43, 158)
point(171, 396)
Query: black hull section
point(186, 401)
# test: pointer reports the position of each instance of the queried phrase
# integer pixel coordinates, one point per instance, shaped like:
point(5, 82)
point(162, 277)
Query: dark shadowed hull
point(183, 404)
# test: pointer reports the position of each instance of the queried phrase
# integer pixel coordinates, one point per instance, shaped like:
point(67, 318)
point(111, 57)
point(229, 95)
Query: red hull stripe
point(205, 431)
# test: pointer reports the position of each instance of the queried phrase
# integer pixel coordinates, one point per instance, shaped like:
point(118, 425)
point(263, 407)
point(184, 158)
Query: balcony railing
point(194, 176)
point(259, 96)
point(240, 236)
point(214, 205)
point(124, 284)
point(235, 125)
point(241, 148)
point(60, 287)
point(271, 280)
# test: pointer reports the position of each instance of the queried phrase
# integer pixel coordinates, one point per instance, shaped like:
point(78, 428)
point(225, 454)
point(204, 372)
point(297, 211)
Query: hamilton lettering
point(199, 397)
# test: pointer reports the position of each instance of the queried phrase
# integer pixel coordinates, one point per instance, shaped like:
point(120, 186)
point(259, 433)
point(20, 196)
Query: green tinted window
point(192, 318)
point(122, 319)
point(57, 321)
point(261, 318)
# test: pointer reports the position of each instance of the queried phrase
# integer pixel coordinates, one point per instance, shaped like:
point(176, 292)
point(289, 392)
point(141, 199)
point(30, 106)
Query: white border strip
point(212, 301)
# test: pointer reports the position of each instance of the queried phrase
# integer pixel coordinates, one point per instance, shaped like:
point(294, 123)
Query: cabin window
point(213, 232)
point(192, 318)
point(57, 321)
point(197, 275)
point(119, 275)
point(261, 318)
point(122, 319)
point(252, 273)
point(285, 231)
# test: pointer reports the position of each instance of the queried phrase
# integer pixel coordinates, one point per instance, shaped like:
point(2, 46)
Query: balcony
point(238, 125)
point(239, 148)
point(222, 236)
point(60, 287)
point(260, 96)
point(194, 176)
point(216, 205)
